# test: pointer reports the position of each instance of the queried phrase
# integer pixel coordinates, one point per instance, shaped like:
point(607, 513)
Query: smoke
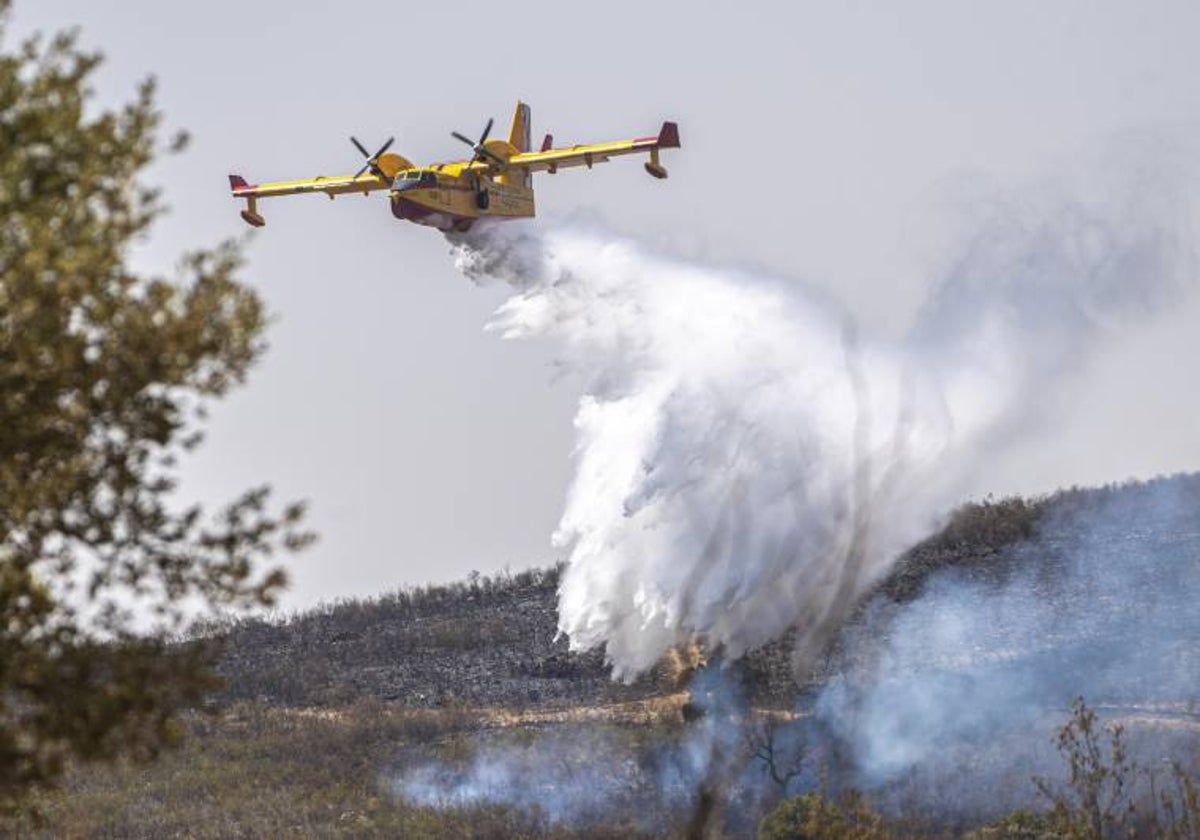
point(574, 779)
point(593, 775)
point(748, 462)
point(977, 674)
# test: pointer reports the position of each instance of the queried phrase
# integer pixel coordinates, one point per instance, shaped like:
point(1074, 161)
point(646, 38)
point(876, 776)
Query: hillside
point(452, 711)
point(491, 641)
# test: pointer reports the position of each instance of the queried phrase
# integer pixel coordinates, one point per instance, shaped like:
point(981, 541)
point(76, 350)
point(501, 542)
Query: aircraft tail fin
point(521, 131)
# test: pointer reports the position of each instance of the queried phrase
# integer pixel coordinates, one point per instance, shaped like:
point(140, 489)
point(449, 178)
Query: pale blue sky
point(820, 140)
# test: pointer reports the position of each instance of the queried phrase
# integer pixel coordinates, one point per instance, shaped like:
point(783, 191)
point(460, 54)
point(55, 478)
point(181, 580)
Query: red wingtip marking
point(668, 136)
point(547, 142)
point(237, 182)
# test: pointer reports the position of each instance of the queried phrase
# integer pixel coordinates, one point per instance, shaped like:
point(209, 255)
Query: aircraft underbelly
point(452, 215)
point(414, 211)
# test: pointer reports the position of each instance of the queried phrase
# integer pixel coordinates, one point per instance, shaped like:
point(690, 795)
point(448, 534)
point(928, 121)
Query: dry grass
point(256, 771)
point(653, 711)
point(259, 771)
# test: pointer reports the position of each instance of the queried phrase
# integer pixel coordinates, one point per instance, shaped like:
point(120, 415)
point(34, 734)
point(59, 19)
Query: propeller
point(477, 146)
point(372, 158)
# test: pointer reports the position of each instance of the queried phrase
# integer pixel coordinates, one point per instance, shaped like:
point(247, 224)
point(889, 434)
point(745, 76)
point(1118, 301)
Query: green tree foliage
point(816, 817)
point(104, 375)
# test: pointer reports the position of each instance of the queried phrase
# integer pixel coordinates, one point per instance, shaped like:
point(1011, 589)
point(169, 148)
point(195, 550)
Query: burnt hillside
point(485, 641)
point(490, 641)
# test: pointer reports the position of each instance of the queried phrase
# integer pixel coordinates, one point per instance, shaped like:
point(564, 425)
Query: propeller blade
point(385, 146)
point(359, 146)
point(486, 131)
point(466, 140)
point(361, 171)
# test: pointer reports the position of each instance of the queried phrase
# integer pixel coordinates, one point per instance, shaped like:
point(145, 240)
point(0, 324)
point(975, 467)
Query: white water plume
point(746, 461)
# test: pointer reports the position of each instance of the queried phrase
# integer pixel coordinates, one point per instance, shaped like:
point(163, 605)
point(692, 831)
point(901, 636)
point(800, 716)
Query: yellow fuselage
point(449, 198)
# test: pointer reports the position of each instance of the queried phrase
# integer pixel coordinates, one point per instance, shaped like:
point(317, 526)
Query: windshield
point(422, 179)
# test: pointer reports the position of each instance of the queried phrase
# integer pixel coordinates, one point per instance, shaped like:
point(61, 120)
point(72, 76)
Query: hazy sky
point(820, 141)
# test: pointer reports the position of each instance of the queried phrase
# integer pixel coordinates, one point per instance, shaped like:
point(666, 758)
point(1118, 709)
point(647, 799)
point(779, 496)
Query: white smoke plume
point(589, 775)
point(978, 673)
point(747, 462)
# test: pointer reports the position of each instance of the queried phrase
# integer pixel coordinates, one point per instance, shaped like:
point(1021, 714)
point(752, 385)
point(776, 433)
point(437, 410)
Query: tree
point(781, 753)
point(104, 378)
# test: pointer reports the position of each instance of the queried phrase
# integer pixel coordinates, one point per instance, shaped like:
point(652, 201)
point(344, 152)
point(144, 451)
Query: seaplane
point(496, 182)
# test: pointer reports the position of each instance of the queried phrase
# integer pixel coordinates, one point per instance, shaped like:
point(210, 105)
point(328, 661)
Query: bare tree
point(782, 762)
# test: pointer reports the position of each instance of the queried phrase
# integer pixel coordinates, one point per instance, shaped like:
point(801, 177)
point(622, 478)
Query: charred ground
point(492, 640)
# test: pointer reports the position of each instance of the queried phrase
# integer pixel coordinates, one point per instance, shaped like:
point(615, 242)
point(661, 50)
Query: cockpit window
point(423, 179)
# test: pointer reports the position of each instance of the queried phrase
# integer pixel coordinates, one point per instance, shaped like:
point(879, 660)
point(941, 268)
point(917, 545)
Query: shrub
point(816, 817)
point(1019, 825)
point(1097, 801)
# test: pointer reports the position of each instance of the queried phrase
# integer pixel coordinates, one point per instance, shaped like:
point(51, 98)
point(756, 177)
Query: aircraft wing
point(551, 160)
point(330, 186)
